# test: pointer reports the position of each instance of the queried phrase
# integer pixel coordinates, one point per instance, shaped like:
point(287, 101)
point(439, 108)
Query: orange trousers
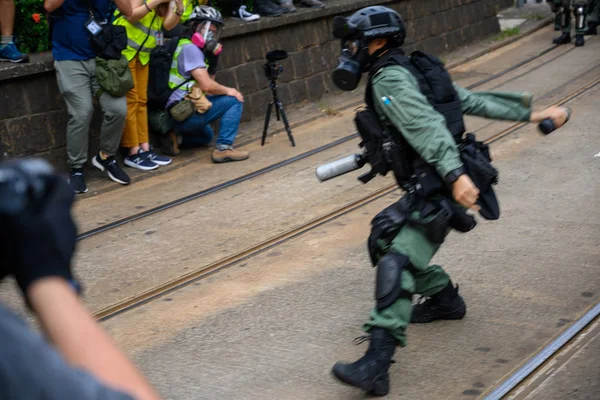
point(136, 124)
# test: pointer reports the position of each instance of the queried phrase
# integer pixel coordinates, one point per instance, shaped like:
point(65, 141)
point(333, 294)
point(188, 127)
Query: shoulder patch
point(387, 100)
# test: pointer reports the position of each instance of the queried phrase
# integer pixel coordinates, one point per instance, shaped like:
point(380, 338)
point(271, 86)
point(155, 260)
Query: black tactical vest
point(434, 82)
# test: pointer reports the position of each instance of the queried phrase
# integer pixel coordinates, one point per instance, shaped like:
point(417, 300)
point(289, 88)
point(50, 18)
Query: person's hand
point(558, 115)
point(41, 237)
point(236, 94)
point(179, 6)
point(465, 192)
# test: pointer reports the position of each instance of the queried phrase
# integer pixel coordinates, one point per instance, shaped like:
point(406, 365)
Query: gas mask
point(353, 61)
point(207, 37)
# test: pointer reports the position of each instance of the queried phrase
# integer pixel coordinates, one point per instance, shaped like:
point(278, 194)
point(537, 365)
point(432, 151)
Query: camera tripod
point(279, 111)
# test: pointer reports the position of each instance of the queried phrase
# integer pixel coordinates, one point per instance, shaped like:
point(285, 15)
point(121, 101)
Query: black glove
point(41, 237)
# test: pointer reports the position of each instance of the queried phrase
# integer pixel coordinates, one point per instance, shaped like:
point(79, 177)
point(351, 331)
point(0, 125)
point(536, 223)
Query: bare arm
point(140, 10)
point(80, 340)
point(172, 19)
point(124, 7)
point(209, 85)
point(51, 5)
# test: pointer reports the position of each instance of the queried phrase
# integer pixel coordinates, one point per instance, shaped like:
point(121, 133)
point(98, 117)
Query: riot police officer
point(420, 112)
point(581, 8)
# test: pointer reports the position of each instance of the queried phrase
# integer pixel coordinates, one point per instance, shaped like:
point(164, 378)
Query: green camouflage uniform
point(398, 101)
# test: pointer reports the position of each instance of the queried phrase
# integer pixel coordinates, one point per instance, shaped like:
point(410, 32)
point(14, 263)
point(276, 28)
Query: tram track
point(510, 386)
point(233, 259)
point(232, 182)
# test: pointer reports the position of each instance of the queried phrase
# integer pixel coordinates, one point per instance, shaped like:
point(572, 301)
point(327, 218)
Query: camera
point(272, 71)
point(22, 183)
point(272, 68)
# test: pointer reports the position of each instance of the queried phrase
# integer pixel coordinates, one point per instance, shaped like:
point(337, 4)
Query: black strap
point(90, 8)
point(147, 36)
point(181, 84)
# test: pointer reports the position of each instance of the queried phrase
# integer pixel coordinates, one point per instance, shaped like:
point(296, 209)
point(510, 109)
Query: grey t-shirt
point(31, 369)
point(190, 58)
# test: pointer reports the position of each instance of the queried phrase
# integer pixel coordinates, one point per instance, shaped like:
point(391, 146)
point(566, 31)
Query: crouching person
point(197, 99)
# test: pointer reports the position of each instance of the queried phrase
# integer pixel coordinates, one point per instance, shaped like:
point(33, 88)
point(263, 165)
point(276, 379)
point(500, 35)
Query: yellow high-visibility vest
point(175, 78)
point(188, 6)
point(141, 35)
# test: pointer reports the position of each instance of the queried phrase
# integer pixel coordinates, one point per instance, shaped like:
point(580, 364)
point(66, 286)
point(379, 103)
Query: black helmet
point(370, 23)
point(355, 32)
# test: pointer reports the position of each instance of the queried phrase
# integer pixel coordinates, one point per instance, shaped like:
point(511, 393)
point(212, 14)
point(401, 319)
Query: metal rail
point(534, 363)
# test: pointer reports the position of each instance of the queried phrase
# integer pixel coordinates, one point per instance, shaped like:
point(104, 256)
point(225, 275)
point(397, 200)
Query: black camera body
point(23, 183)
point(272, 67)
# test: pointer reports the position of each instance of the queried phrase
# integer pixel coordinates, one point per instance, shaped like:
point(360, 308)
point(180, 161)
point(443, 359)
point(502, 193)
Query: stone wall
point(33, 118)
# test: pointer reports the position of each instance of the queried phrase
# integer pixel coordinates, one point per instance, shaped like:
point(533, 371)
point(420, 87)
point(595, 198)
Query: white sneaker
point(245, 15)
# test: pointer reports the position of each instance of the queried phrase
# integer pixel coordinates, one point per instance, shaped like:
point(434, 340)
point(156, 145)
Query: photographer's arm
point(209, 85)
point(81, 340)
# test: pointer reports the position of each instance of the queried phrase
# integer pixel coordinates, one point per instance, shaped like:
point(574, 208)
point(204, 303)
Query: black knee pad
point(388, 287)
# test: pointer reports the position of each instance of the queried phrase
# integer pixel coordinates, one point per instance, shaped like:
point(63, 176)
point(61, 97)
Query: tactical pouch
point(182, 110)
point(477, 162)
point(429, 180)
point(460, 220)
point(373, 135)
point(434, 222)
point(386, 225)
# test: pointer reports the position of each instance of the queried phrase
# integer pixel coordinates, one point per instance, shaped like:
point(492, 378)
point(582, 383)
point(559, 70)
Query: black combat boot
point(370, 373)
point(562, 39)
point(446, 304)
point(579, 41)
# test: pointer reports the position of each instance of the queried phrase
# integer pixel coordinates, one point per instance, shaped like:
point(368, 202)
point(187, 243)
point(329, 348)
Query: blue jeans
point(196, 130)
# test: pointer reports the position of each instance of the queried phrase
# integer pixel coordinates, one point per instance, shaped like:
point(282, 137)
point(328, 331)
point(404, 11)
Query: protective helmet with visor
point(355, 33)
point(208, 24)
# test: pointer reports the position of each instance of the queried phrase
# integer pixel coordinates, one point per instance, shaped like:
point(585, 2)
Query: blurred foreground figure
point(38, 239)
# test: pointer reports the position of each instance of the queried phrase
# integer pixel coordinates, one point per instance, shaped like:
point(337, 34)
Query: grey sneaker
point(312, 4)
point(288, 5)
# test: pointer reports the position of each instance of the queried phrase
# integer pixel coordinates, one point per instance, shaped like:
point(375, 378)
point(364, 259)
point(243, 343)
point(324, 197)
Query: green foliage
point(31, 26)
point(508, 33)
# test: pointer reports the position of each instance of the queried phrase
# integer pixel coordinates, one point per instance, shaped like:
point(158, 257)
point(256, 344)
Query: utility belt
point(428, 205)
point(435, 217)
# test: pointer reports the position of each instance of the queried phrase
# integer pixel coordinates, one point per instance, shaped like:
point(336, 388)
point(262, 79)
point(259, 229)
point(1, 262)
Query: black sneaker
point(112, 168)
point(579, 40)
point(140, 161)
point(77, 181)
point(447, 304)
point(157, 158)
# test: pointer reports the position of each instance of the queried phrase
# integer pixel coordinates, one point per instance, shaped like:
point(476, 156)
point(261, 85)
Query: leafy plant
point(508, 33)
point(31, 26)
